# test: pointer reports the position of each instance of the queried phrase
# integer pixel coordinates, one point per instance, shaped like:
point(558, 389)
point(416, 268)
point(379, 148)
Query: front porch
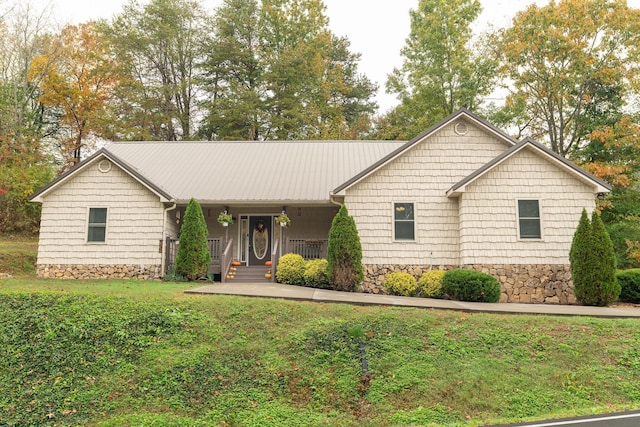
point(221, 258)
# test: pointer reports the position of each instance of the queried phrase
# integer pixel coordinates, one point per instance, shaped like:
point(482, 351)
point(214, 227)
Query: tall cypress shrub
point(193, 257)
point(605, 287)
point(580, 257)
point(344, 253)
point(593, 263)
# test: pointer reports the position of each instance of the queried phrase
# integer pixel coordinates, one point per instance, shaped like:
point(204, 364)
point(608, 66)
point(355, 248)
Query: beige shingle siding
point(489, 220)
point(421, 175)
point(134, 221)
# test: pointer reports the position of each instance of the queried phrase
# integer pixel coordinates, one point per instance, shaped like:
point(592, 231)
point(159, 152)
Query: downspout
point(333, 199)
point(163, 263)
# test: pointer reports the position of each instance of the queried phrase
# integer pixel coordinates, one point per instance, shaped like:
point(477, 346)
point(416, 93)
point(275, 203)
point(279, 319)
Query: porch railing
point(308, 249)
point(274, 261)
point(171, 249)
point(225, 261)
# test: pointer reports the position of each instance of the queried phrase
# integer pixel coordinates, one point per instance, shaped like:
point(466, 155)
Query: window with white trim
point(529, 219)
point(403, 222)
point(97, 229)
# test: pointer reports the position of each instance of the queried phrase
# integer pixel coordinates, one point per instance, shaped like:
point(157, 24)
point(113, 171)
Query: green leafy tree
point(275, 71)
point(24, 124)
point(344, 253)
point(441, 71)
point(573, 63)
point(161, 45)
point(193, 258)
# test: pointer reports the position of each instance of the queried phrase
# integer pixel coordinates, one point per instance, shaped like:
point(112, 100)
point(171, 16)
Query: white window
point(403, 222)
point(529, 219)
point(97, 229)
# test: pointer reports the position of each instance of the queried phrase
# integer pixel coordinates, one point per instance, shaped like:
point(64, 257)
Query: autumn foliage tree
point(76, 77)
point(572, 64)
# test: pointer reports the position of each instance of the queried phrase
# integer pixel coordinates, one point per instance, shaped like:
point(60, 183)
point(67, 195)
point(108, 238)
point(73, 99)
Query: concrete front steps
point(252, 274)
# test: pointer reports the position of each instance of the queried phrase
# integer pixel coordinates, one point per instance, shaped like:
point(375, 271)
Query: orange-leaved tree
point(76, 76)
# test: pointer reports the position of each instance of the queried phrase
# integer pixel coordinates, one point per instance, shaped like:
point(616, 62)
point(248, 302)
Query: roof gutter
point(163, 263)
point(333, 198)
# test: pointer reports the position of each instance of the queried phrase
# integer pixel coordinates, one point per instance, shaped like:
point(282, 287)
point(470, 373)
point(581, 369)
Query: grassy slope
point(114, 353)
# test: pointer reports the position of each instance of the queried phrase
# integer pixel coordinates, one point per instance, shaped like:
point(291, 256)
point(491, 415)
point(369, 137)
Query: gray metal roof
point(250, 172)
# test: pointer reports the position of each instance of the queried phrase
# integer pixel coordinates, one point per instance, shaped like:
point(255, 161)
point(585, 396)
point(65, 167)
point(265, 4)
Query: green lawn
point(133, 353)
point(113, 353)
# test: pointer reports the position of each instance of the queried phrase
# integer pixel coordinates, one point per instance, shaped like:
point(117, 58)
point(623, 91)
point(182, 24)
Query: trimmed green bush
point(629, 281)
point(399, 283)
point(593, 263)
point(291, 269)
point(606, 286)
point(193, 258)
point(470, 285)
point(581, 257)
point(344, 253)
point(315, 274)
point(430, 284)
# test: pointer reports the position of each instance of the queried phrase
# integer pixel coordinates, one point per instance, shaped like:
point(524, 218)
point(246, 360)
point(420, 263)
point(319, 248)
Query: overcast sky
point(377, 29)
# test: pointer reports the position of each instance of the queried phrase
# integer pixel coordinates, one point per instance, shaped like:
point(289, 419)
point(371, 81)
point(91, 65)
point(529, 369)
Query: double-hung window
point(529, 219)
point(403, 222)
point(97, 229)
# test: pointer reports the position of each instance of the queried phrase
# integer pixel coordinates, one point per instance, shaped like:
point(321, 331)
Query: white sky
point(377, 29)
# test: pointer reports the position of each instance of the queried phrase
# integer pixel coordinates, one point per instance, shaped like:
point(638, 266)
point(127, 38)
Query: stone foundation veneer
point(79, 271)
point(548, 284)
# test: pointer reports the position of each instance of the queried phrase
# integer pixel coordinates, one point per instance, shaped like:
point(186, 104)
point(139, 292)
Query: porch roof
point(251, 172)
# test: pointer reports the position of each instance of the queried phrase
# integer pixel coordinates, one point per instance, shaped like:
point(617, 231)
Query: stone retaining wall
point(79, 271)
point(548, 284)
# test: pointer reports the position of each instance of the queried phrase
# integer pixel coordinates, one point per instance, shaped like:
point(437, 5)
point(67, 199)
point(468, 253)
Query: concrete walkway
point(276, 290)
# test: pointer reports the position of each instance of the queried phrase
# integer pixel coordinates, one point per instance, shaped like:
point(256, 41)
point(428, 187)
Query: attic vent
point(104, 166)
point(461, 128)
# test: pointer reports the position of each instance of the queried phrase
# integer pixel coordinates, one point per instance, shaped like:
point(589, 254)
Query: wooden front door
point(259, 239)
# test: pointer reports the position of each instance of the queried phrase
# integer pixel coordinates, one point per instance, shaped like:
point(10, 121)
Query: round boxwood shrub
point(629, 281)
point(470, 285)
point(430, 284)
point(399, 283)
point(315, 274)
point(291, 269)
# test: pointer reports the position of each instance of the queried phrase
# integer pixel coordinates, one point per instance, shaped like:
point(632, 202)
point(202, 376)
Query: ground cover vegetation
point(110, 353)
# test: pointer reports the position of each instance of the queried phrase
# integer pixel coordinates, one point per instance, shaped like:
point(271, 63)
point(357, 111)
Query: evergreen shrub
point(400, 283)
point(193, 258)
point(629, 281)
point(430, 284)
point(470, 285)
point(291, 269)
point(315, 274)
point(593, 263)
point(344, 253)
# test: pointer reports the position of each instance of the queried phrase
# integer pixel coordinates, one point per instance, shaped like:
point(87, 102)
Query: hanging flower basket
point(225, 218)
point(282, 220)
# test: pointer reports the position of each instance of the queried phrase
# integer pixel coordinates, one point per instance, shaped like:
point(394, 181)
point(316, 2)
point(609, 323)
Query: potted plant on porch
point(225, 218)
point(282, 220)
